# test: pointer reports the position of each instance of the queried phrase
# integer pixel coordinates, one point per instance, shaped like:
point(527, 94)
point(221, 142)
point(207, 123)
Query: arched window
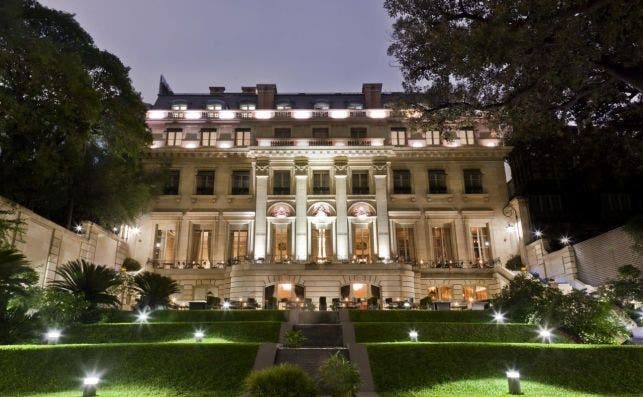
point(446, 294)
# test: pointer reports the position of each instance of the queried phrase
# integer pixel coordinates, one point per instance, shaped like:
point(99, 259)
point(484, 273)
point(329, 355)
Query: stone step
point(308, 359)
point(310, 317)
point(321, 335)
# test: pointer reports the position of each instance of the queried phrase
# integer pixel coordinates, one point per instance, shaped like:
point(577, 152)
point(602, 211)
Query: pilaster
point(301, 226)
point(261, 194)
point(380, 170)
point(341, 168)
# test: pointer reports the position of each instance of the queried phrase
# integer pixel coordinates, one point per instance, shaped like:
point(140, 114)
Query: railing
point(264, 114)
point(305, 142)
point(184, 264)
point(458, 264)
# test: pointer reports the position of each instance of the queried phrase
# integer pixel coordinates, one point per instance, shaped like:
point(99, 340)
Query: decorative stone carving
point(301, 166)
point(380, 166)
point(341, 166)
point(262, 167)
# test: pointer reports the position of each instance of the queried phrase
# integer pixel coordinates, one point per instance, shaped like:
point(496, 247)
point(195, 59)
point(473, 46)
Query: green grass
point(422, 316)
point(161, 369)
point(428, 369)
point(230, 331)
point(448, 332)
point(202, 316)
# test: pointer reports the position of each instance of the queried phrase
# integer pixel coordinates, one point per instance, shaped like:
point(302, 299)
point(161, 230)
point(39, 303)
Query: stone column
point(261, 195)
point(301, 227)
point(222, 240)
point(183, 235)
point(421, 238)
point(341, 168)
point(380, 168)
point(462, 249)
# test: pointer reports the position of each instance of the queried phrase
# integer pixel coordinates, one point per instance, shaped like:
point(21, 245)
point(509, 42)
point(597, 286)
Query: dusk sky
point(302, 46)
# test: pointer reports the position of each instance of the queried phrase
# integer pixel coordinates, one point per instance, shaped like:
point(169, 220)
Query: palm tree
point(91, 281)
point(15, 275)
point(155, 290)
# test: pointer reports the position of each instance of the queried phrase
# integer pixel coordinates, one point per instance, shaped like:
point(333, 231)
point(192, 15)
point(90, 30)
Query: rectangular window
point(283, 133)
point(481, 245)
point(242, 137)
point(238, 244)
point(358, 133)
point(208, 137)
point(248, 106)
point(241, 182)
point(281, 242)
point(202, 241)
point(174, 138)
point(466, 137)
point(405, 243)
point(171, 186)
point(359, 182)
point(432, 138)
point(398, 137)
point(401, 182)
point(164, 241)
point(442, 250)
point(437, 182)
point(205, 182)
point(472, 181)
point(321, 182)
point(321, 133)
point(281, 182)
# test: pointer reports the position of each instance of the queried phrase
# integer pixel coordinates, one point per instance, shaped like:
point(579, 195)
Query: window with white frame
point(432, 138)
point(321, 182)
point(242, 137)
point(214, 105)
point(241, 182)
point(442, 246)
point(179, 105)
point(466, 136)
point(398, 136)
point(481, 245)
point(174, 137)
point(248, 106)
point(208, 137)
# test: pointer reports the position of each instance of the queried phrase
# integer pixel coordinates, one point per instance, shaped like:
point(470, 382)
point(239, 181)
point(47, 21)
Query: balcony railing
point(184, 264)
point(458, 264)
point(316, 142)
point(266, 114)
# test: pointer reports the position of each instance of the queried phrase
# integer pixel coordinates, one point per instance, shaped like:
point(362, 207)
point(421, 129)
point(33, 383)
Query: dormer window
point(248, 106)
point(356, 106)
point(214, 105)
point(321, 106)
point(179, 105)
point(284, 106)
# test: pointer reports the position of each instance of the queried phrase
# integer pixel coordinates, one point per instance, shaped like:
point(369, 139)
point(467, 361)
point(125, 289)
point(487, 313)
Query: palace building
point(321, 198)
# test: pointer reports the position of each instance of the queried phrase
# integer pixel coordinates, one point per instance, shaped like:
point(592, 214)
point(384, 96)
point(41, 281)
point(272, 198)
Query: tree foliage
point(72, 128)
point(518, 298)
point(90, 281)
point(16, 280)
point(154, 289)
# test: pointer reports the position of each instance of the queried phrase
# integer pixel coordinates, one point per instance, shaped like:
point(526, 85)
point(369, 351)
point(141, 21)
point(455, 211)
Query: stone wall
point(47, 245)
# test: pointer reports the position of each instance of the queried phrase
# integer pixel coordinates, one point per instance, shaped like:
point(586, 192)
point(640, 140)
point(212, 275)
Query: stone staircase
point(324, 338)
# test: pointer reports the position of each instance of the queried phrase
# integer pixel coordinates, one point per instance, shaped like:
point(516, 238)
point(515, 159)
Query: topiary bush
point(338, 377)
point(285, 380)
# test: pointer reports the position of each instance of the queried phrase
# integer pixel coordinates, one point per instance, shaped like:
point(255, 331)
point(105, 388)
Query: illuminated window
point(437, 182)
point(466, 137)
point(284, 106)
point(481, 294)
point(481, 244)
point(432, 138)
point(321, 106)
point(248, 106)
point(472, 181)
point(445, 294)
point(321, 182)
point(164, 241)
point(321, 241)
point(238, 244)
point(214, 105)
point(201, 250)
point(281, 242)
point(362, 242)
point(174, 137)
point(356, 106)
point(179, 105)
point(208, 137)
point(242, 137)
point(398, 137)
point(441, 236)
point(405, 243)
point(205, 182)
point(241, 182)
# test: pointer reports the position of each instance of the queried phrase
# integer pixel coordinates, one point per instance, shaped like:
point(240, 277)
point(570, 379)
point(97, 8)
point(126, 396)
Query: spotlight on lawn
point(90, 383)
point(498, 317)
point(413, 334)
point(226, 305)
point(545, 334)
point(52, 336)
point(513, 381)
point(407, 305)
point(142, 317)
point(198, 335)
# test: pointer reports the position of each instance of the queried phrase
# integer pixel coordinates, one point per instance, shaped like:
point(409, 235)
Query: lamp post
point(413, 335)
point(198, 336)
point(90, 383)
point(52, 336)
point(513, 381)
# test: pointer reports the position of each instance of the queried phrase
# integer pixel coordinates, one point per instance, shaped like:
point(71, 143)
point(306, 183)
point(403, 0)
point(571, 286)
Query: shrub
point(205, 316)
point(627, 287)
point(422, 316)
point(213, 301)
point(131, 265)
point(16, 280)
point(285, 380)
point(154, 289)
point(514, 263)
point(426, 302)
point(294, 338)
point(338, 377)
point(519, 296)
point(56, 308)
point(90, 281)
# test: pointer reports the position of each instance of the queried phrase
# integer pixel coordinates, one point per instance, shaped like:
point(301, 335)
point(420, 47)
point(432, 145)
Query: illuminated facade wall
point(321, 191)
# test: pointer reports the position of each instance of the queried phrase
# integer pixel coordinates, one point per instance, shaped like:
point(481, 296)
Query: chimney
point(266, 96)
point(217, 90)
point(372, 95)
point(249, 90)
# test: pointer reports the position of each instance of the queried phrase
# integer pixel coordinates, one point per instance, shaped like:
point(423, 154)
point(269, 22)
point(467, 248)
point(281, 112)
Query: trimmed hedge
point(202, 316)
point(233, 331)
point(422, 316)
point(449, 332)
point(598, 369)
point(205, 369)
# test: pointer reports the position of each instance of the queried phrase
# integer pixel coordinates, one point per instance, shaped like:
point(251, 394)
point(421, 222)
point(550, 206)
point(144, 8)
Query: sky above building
point(301, 45)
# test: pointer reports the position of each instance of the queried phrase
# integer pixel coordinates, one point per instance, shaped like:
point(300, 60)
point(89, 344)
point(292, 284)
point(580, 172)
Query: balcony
point(266, 114)
point(316, 142)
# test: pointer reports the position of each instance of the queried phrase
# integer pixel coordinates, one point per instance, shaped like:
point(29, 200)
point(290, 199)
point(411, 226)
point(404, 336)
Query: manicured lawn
point(448, 332)
point(202, 316)
point(230, 331)
point(422, 316)
point(430, 369)
point(153, 369)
